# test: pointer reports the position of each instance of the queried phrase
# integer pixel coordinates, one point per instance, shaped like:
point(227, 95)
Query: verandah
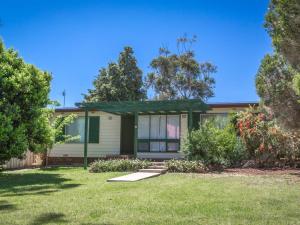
point(137, 108)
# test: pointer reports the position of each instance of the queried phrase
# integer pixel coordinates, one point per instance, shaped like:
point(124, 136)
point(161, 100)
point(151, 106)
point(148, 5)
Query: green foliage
point(59, 123)
point(181, 75)
point(184, 166)
point(283, 25)
point(24, 91)
point(274, 84)
point(119, 81)
point(264, 140)
point(296, 84)
point(214, 146)
point(118, 165)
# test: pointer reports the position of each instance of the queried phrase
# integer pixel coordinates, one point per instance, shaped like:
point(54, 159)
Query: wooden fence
point(30, 160)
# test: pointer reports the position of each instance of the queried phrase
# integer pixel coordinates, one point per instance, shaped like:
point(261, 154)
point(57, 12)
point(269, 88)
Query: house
point(141, 129)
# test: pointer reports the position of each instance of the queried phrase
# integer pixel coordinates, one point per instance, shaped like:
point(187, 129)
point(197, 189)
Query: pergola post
point(135, 133)
point(86, 114)
point(190, 120)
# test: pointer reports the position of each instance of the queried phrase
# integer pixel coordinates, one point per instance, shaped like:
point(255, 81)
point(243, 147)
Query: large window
point(76, 129)
point(158, 133)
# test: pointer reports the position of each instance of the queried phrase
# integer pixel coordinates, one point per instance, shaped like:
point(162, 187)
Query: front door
point(127, 135)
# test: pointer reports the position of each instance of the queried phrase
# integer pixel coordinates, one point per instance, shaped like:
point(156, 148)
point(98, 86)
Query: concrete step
point(153, 170)
point(157, 167)
point(158, 163)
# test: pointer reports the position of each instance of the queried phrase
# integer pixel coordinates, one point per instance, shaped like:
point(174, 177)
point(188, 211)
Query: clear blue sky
point(73, 39)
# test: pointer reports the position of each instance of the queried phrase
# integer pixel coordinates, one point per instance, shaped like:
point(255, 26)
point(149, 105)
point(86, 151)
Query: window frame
point(166, 139)
point(88, 129)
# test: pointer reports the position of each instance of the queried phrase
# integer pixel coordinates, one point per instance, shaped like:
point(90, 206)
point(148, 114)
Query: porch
point(149, 129)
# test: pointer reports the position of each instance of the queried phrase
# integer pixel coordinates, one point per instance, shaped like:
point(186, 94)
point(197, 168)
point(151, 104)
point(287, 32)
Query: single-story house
point(141, 129)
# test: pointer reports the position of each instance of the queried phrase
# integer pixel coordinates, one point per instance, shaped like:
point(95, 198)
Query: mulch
point(269, 171)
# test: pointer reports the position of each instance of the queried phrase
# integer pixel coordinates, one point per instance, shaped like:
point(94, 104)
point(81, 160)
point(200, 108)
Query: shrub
point(184, 166)
point(264, 140)
point(214, 146)
point(118, 165)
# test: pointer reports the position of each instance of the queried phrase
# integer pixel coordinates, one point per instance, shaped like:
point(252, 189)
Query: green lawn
point(74, 196)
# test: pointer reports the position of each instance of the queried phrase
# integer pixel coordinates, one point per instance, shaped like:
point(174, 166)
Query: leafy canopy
point(119, 81)
point(177, 76)
point(283, 25)
point(274, 83)
point(24, 91)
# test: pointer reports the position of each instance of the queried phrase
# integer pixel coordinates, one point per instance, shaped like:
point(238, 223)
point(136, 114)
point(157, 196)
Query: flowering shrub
point(118, 165)
point(263, 139)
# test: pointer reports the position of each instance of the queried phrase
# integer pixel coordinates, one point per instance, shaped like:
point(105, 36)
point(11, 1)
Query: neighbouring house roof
point(208, 105)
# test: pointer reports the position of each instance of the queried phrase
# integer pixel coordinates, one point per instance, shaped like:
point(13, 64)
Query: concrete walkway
point(133, 177)
point(156, 169)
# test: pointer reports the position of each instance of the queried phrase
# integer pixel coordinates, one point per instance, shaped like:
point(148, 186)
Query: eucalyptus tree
point(180, 75)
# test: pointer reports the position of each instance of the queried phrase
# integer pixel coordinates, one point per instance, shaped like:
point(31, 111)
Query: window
point(143, 127)
point(76, 129)
point(157, 146)
point(158, 127)
point(173, 127)
point(158, 133)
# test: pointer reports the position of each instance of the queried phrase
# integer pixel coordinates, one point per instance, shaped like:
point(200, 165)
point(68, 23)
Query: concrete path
point(133, 177)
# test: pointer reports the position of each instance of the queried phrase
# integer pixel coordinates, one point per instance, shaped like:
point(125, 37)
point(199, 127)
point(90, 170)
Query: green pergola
point(136, 108)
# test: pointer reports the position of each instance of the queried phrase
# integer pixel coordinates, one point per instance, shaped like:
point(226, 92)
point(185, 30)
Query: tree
point(274, 84)
point(283, 25)
point(58, 124)
point(181, 76)
point(24, 95)
point(119, 81)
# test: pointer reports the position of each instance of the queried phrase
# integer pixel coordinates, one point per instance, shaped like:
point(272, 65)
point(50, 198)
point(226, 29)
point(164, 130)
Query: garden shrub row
point(185, 166)
point(118, 165)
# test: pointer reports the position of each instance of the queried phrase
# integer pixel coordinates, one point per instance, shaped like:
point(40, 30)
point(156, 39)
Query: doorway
point(127, 135)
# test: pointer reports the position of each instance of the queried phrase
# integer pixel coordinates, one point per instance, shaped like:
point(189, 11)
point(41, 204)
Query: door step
point(157, 167)
point(157, 163)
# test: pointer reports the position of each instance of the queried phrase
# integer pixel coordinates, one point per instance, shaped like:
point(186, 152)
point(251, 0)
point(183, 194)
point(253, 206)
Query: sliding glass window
point(159, 133)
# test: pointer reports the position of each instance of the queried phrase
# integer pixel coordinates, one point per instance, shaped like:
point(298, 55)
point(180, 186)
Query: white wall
point(109, 139)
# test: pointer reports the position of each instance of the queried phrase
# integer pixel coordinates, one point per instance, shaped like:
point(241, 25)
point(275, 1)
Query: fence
point(29, 160)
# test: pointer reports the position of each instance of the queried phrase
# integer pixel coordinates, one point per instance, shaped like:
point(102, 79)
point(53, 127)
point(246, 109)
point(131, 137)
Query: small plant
point(118, 165)
point(184, 166)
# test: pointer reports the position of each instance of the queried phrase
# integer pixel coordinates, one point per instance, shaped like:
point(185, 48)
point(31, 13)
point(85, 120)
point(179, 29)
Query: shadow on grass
point(6, 206)
point(46, 218)
point(12, 184)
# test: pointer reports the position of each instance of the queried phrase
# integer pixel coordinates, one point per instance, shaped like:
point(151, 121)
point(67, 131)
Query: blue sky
point(74, 39)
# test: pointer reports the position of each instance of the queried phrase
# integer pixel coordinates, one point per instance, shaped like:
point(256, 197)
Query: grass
point(74, 196)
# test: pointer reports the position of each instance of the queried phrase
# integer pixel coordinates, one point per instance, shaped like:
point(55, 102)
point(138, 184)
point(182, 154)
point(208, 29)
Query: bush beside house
point(215, 146)
point(185, 166)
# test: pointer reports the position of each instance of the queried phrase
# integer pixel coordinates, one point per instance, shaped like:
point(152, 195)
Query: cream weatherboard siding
point(166, 155)
point(226, 110)
point(109, 139)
